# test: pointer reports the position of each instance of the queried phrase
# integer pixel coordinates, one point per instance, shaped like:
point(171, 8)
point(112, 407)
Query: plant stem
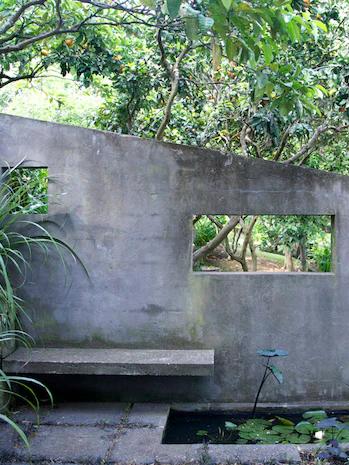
point(265, 376)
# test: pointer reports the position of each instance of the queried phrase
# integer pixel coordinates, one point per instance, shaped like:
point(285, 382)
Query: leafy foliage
point(205, 231)
point(21, 192)
point(33, 185)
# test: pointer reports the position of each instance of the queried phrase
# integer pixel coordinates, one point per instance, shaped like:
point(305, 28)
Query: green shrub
point(323, 258)
point(204, 231)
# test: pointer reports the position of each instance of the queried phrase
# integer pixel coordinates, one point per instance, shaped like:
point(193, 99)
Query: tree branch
point(307, 149)
point(284, 140)
point(15, 17)
point(174, 77)
point(223, 233)
point(243, 142)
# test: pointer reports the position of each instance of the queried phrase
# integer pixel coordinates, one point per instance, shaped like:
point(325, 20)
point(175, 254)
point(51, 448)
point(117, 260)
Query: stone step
point(131, 362)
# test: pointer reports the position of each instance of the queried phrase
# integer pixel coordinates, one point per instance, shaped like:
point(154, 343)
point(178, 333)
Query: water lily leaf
point(304, 439)
point(283, 429)
point(230, 426)
point(201, 433)
point(295, 438)
point(328, 423)
point(304, 427)
point(269, 439)
point(252, 428)
point(314, 415)
point(285, 421)
point(272, 353)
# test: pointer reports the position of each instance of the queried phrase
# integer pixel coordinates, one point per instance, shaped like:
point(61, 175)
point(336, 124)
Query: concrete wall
point(127, 210)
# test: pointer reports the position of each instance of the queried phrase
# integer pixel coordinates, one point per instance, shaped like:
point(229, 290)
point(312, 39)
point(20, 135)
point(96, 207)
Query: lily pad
point(285, 421)
point(314, 415)
point(328, 423)
point(201, 433)
point(304, 427)
point(283, 429)
point(295, 438)
point(230, 426)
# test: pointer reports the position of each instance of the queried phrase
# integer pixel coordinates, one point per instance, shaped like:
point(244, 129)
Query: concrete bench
point(131, 362)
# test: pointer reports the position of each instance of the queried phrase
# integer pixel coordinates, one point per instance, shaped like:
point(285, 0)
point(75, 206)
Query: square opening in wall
point(265, 243)
point(29, 188)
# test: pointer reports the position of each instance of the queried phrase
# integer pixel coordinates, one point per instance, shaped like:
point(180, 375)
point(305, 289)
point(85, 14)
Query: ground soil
point(224, 264)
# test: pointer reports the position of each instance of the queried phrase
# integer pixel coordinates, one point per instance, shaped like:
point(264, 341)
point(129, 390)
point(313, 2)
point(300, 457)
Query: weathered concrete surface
point(66, 443)
point(149, 414)
point(143, 446)
point(75, 414)
point(128, 212)
point(111, 362)
point(280, 453)
point(72, 437)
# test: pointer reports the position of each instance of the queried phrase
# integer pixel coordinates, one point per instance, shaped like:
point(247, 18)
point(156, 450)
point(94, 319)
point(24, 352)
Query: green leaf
point(277, 374)
point(295, 438)
point(285, 421)
point(314, 415)
point(320, 25)
point(191, 26)
point(230, 426)
point(173, 7)
point(202, 433)
point(233, 49)
point(304, 427)
point(18, 430)
point(283, 429)
point(267, 52)
point(205, 23)
point(149, 4)
point(227, 4)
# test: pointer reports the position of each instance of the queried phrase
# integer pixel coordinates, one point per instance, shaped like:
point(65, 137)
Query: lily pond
point(217, 427)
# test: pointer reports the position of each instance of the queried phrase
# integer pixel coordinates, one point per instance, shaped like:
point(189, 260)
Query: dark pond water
point(182, 426)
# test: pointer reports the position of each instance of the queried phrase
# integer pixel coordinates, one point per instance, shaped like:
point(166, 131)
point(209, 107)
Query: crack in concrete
point(119, 428)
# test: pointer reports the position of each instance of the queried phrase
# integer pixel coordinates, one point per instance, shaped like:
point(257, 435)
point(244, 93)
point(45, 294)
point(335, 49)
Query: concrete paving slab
point(246, 454)
point(8, 438)
point(74, 414)
point(143, 446)
point(67, 444)
point(149, 414)
point(45, 462)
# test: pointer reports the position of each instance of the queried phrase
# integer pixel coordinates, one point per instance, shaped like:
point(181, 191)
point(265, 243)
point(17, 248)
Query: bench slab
point(131, 362)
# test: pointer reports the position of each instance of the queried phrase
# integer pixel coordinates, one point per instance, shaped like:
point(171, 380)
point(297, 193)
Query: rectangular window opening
point(28, 188)
point(263, 243)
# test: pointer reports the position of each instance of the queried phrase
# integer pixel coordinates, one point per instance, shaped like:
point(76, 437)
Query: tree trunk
point(288, 260)
point(223, 233)
point(248, 234)
point(303, 256)
point(253, 254)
